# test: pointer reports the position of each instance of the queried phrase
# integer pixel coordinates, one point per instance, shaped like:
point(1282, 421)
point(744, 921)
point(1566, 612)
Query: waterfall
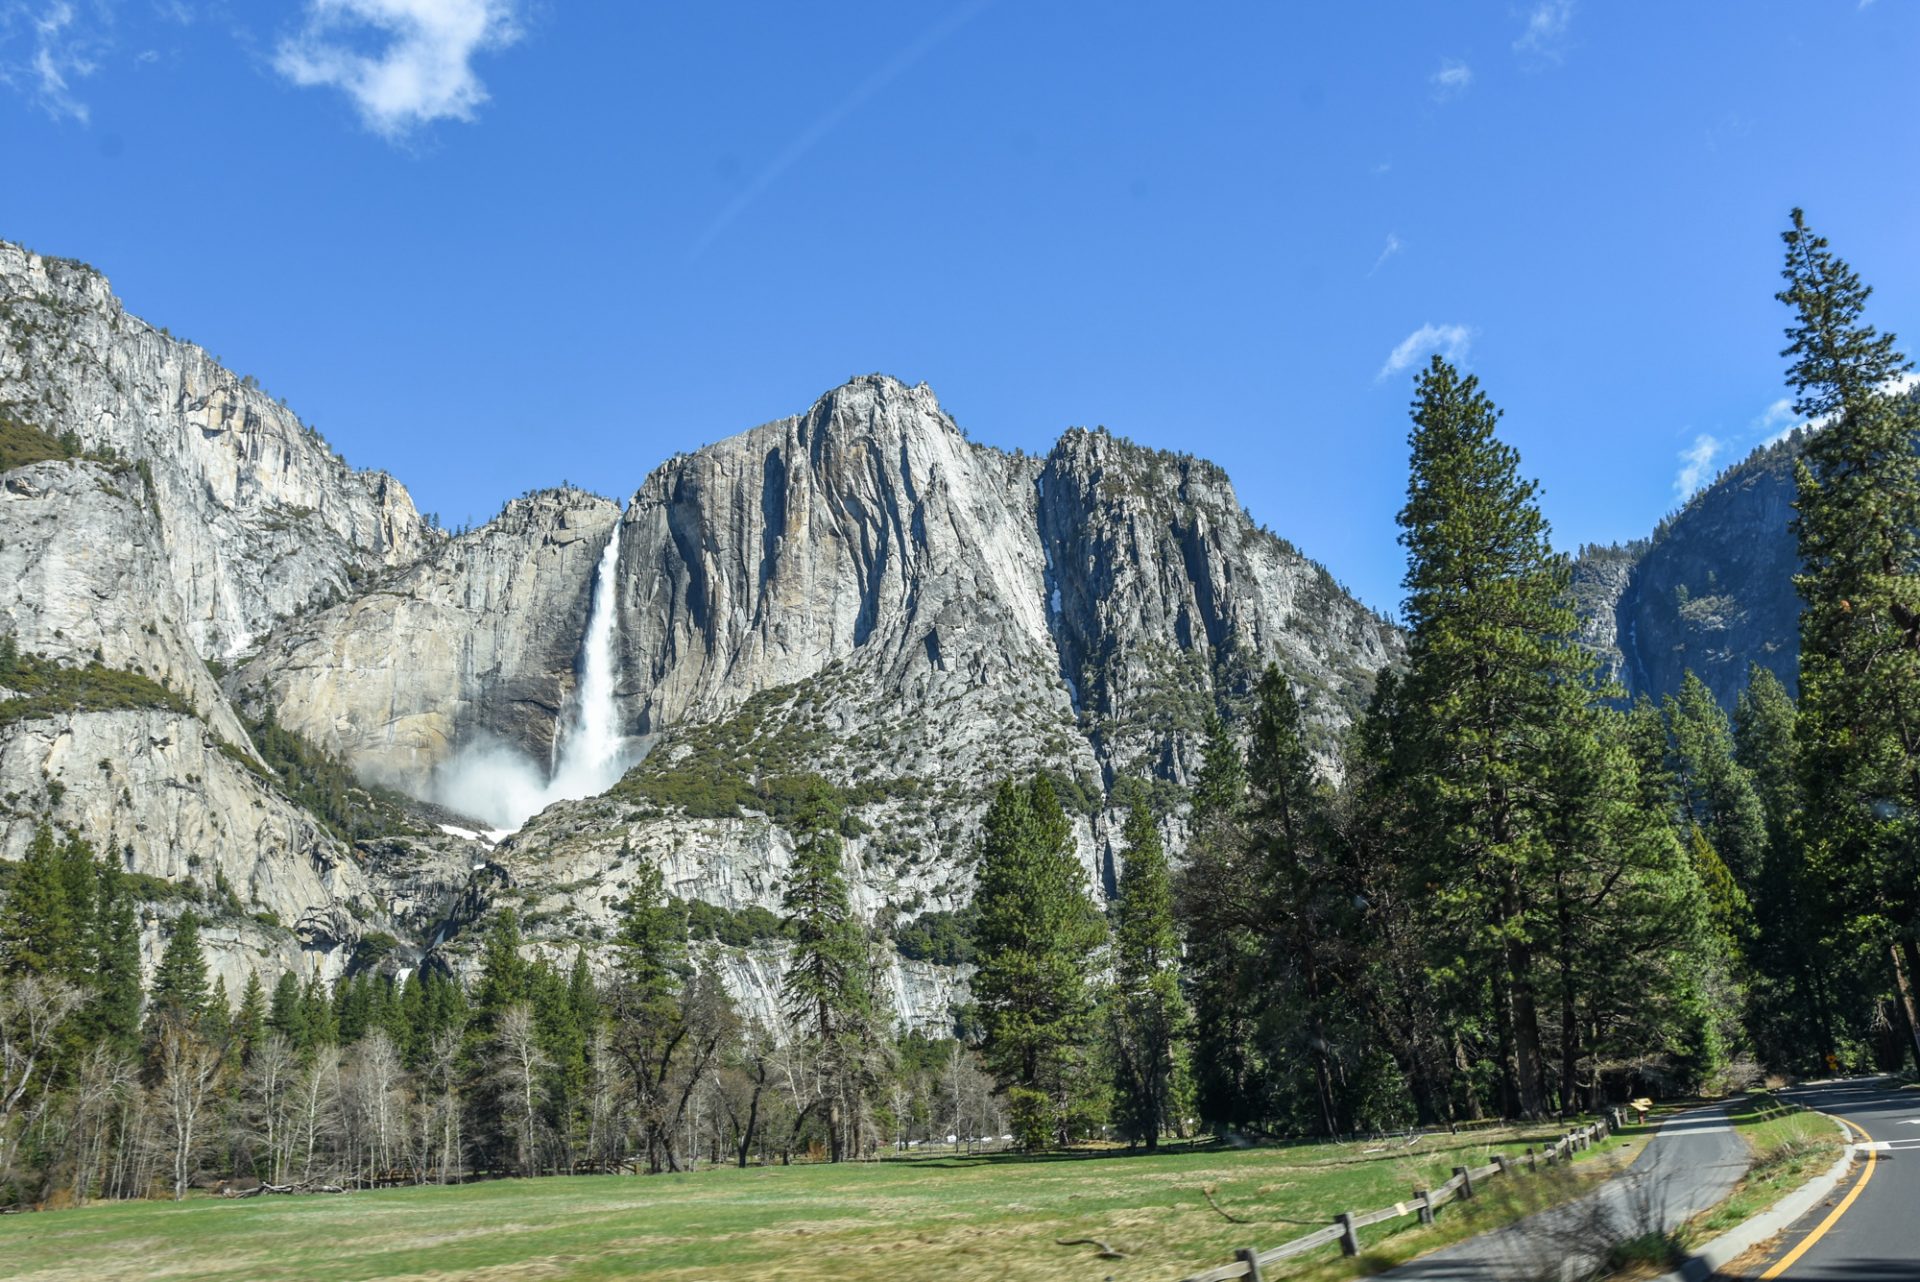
point(499, 784)
point(592, 749)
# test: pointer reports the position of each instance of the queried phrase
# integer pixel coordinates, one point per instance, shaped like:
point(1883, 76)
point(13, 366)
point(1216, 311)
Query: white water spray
point(499, 784)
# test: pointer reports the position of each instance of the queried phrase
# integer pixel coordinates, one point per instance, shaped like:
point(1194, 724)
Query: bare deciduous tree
point(189, 1068)
point(31, 1009)
point(520, 1069)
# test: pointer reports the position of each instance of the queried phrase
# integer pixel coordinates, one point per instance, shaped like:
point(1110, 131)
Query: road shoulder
point(1759, 1230)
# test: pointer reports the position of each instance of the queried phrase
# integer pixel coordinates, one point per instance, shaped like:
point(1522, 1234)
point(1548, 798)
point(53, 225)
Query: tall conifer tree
point(1149, 1015)
point(36, 920)
point(1037, 935)
point(1492, 676)
point(1858, 527)
point(180, 981)
point(826, 979)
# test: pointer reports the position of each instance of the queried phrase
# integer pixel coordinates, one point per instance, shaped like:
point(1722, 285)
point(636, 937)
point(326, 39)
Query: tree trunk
point(1322, 1080)
point(1904, 961)
point(753, 1119)
point(1524, 1016)
point(1569, 1012)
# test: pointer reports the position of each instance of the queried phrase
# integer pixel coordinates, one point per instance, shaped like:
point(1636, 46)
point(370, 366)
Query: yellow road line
point(1838, 1211)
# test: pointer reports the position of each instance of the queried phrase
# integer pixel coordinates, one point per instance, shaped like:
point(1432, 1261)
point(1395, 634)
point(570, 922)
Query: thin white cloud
point(1452, 80)
point(1778, 421)
point(60, 48)
point(1548, 25)
point(1394, 245)
point(810, 137)
point(1696, 465)
point(404, 63)
point(1451, 341)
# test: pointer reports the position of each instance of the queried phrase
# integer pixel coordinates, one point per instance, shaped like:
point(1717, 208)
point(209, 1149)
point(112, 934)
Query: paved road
point(1690, 1164)
point(1876, 1238)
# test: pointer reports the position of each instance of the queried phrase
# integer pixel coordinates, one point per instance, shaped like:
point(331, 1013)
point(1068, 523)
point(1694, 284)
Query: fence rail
point(1346, 1226)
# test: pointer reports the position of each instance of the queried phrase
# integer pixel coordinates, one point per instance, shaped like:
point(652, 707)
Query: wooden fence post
point(1466, 1180)
point(1251, 1258)
point(1425, 1200)
point(1533, 1159)
point(1500, 1160)
point(1349, 1236)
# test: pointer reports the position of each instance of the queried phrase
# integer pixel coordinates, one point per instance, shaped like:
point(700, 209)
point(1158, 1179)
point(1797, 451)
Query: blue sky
point(492, 244)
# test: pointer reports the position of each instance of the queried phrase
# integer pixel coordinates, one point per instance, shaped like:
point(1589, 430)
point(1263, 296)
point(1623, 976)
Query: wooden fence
point(1346, 1226)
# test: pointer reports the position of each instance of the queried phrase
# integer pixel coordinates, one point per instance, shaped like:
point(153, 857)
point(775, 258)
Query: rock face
point(158, 792)
point(1166, 599)
point(862, 593)
point(476, 640)
point(260, 518)
point(858, 592)
point(1101, 594)
point(84, 574)
point(1711, 592)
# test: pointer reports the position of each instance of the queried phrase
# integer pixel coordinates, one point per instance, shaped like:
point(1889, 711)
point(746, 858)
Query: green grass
point(967, 1220)
point(1789, 1148)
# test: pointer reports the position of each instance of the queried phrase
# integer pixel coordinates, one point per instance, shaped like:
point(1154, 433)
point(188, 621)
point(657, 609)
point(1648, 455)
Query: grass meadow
point(959, 1218)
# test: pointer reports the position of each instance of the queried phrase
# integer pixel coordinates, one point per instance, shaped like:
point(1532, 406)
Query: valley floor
point(956, 1218)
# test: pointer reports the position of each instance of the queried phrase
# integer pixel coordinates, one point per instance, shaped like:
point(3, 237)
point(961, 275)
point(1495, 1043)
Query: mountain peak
point(866, 402)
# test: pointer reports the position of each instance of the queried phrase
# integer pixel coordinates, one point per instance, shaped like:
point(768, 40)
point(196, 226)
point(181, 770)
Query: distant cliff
point(1711, 592)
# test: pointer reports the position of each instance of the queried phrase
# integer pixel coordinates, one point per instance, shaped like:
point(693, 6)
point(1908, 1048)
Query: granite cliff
point(858, 593)
point(1710, 592)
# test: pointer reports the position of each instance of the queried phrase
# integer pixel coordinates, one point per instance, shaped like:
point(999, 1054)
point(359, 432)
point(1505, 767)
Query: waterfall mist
point(501, 785)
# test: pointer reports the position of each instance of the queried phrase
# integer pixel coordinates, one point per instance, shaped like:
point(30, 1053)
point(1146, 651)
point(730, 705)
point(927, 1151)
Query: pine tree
point(316, 1014)
point(505, 976)
point(37, 934)
point(216, 1017)
point(1793, 1021)
point(1217, 902)
point(250, 1021)
point(78, 873)
point(113, 1013)
point(826, 977)
point(1221, 785)
point(1492, 674)
point(1149, 1015)
point(1304, 903)
point(1716, 794)
point(570, 1032)
point(1038, 935)
point(179, 995)
point(643, 1007)
point(352, 1007)
point(287, 1013)
point(652, 942)
point(1640, 964)
point(1858, 528)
